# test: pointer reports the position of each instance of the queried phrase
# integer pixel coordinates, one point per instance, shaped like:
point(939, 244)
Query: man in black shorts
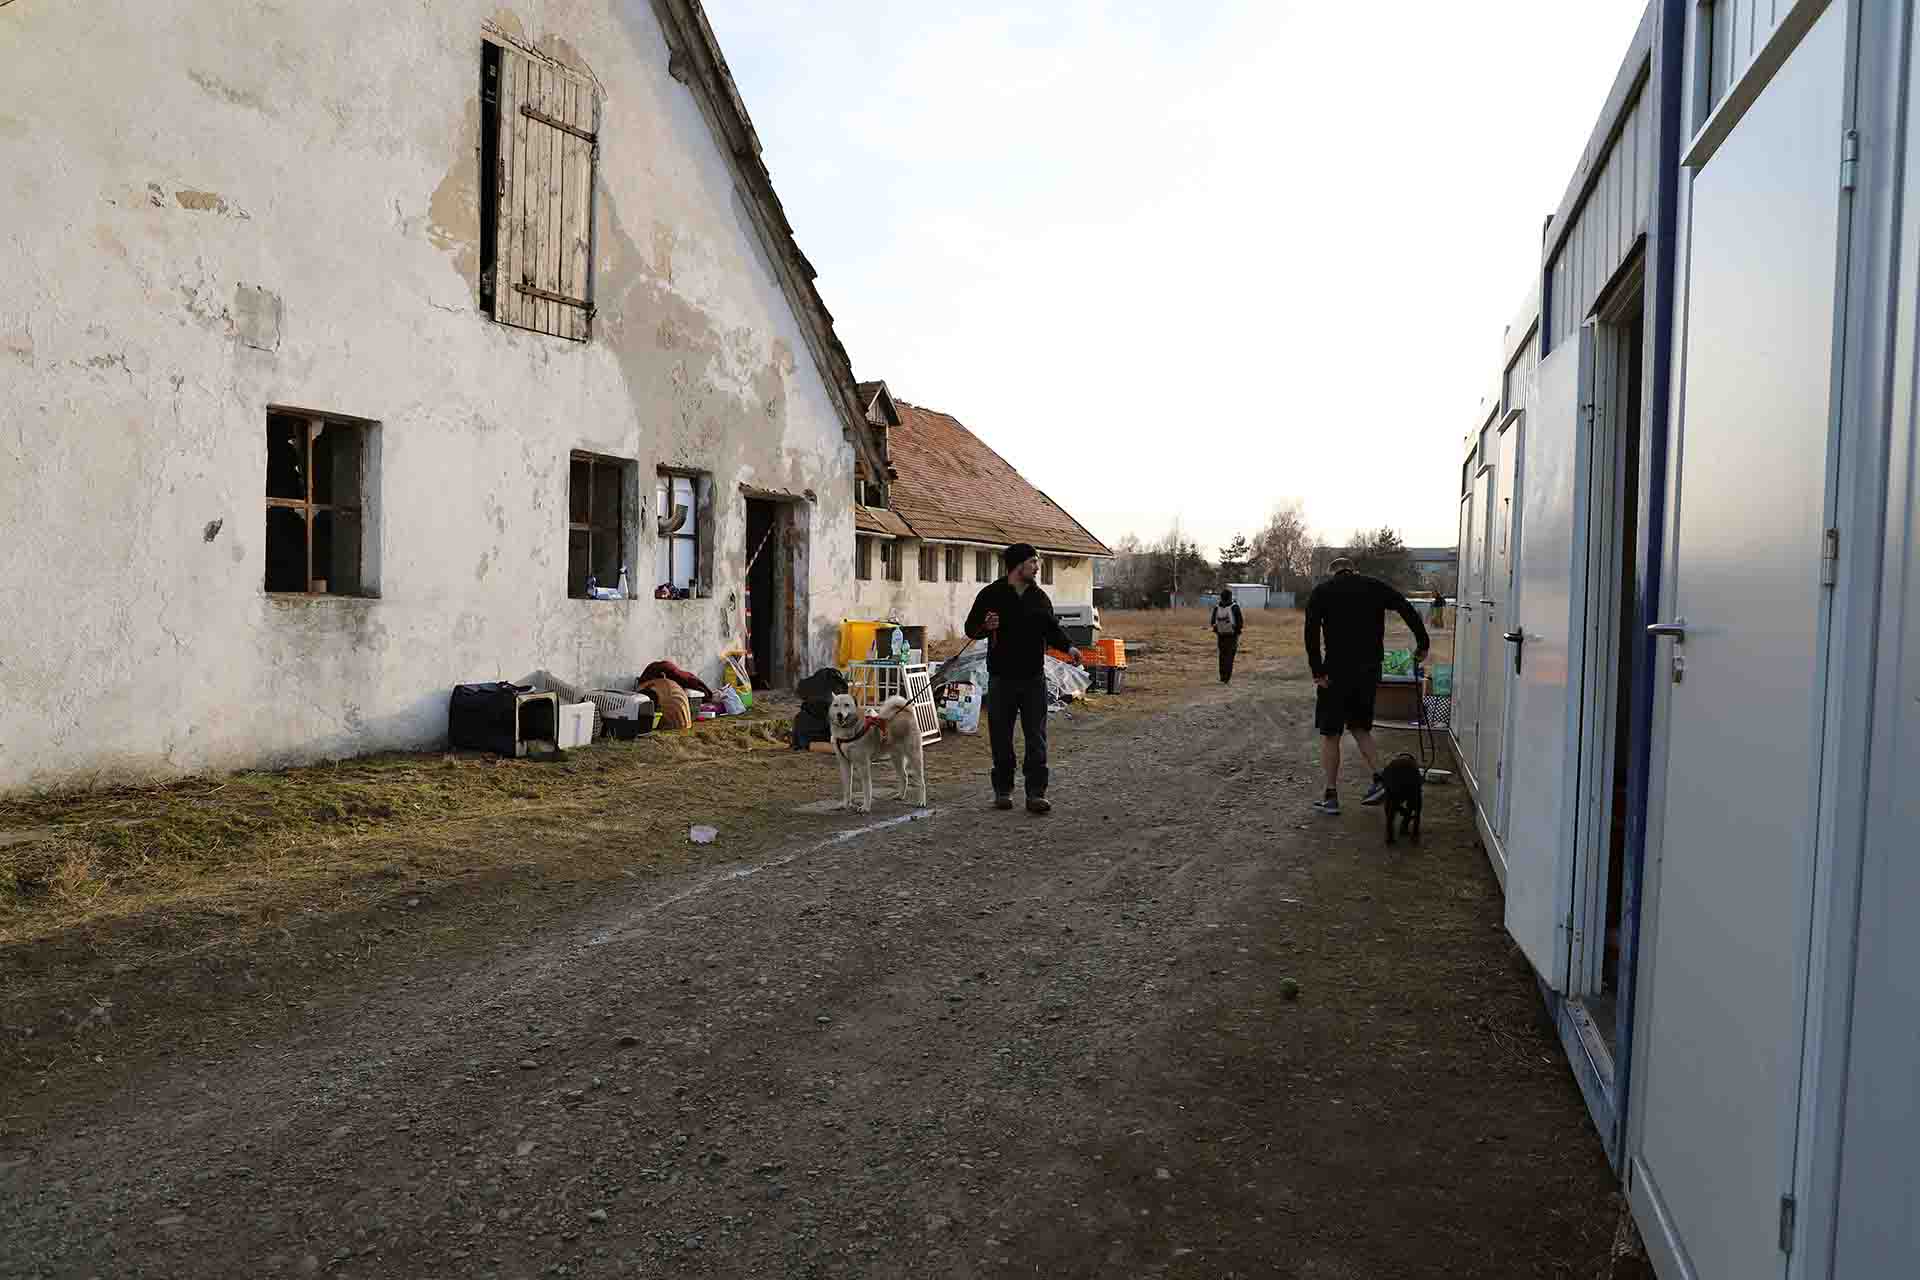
point(1350, 610)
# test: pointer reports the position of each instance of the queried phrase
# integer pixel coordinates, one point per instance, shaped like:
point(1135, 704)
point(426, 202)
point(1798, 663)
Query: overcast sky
point(1183, 259)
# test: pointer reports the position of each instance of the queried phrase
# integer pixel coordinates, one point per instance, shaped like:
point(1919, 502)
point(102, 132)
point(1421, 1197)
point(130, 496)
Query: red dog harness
point(867, 723)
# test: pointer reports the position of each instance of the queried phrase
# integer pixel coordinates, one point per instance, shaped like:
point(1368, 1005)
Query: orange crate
point(1113, 652)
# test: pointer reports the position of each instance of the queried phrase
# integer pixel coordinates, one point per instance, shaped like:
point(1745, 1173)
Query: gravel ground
point(1180, 1027)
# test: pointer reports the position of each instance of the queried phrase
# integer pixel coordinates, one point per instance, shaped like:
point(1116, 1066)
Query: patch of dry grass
point(237, 842)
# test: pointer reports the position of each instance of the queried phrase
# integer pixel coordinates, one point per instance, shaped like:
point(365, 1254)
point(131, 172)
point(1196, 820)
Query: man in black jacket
point(1017, 619)
point(1227, 622)
point(1351, 610)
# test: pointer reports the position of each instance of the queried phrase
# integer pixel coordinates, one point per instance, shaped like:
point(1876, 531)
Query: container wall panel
point(1739, 29)
point(1608, 223)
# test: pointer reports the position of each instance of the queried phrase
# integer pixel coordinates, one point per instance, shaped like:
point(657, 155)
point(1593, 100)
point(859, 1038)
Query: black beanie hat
point(1017, 554)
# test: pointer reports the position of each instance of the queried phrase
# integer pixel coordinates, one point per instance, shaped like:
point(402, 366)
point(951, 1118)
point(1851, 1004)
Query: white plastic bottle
point(625, 590)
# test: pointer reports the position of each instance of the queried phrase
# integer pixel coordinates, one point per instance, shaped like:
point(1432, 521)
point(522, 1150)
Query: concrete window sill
point(294, 599)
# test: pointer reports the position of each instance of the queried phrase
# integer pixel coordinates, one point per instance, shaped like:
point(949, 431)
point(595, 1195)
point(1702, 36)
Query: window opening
point(983, 566)
point(315, 505)
point(1046, 571)
point(681, 516)
point(596, 524)
point(929, 564)
point(955, 565)
point(863, 559)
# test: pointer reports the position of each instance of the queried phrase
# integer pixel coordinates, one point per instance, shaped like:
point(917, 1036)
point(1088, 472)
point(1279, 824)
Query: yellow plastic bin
point(856, 638)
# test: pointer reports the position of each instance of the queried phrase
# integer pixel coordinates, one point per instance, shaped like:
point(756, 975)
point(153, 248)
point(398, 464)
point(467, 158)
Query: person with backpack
point(1226, 624)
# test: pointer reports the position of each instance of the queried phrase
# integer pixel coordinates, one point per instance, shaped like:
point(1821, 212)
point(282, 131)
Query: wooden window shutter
point(548, 146)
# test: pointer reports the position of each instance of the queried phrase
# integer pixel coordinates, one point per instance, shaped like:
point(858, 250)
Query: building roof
point(880, 520)
point(951, 487)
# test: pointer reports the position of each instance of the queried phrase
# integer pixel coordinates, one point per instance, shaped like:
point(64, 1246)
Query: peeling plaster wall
point(233, 206)
point(942, 607)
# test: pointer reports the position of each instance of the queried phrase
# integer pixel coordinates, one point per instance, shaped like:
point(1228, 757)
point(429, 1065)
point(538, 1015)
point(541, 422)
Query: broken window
point(539, 142)
point(316, 504)
point(863, 559)
point(954, 571)
point(681, 508)
point(1046, 570)
point(597, 526)
point(983, 566)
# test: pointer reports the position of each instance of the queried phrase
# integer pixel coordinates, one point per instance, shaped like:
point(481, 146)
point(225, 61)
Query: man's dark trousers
point(1229, 645)
point(1026, 699)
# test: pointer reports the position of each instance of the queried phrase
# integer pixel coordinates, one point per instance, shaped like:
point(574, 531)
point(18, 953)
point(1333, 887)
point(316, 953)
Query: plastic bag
point(1397, 662)
point(731, 701)
point(1066, 681)
point(963, 708)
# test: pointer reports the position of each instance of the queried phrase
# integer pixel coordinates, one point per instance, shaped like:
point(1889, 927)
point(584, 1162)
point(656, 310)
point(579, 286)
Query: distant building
point(952, 506)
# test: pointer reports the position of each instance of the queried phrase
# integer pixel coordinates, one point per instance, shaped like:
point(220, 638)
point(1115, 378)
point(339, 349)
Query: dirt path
point(971, 1044)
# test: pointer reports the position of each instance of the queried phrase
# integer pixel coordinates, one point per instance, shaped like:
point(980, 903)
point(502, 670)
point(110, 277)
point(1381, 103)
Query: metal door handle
point(1677, 629)
point(1518, 639)
point(1484, 600)
point(1514, 637)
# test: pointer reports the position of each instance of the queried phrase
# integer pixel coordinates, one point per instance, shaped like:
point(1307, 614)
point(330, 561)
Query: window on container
point(863, 559)
point(929, 563)
point(316, 504)
point(597, 524)
point(539, 142)
point(1046, 571)
point(682, 512)
point(956, 571)
point(983, 566)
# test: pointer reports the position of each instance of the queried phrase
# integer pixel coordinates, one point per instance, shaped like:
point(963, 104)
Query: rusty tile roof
point(880, 520)
point(952, 487)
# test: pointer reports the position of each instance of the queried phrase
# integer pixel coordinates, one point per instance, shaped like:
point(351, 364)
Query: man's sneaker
point(1375, 793)
point(1328, 803)
point(1039, 804)
point(1003, 802)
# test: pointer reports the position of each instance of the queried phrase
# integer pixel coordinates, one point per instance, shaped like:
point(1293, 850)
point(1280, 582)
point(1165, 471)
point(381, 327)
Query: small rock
point(629, 1040)
point(171, 1220)
point(598, 1215)
point(528, 1064)
point(412, 902)
point(524, 1149)
point(1289, 989)
point(823, 1019)
point(1163, 1175)
point(938, 1222)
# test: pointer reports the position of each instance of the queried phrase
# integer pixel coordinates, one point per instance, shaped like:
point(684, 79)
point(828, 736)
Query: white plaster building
point(341, 343)
point(953, 504)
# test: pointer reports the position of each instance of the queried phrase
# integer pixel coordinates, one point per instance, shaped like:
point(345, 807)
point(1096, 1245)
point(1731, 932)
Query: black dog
point(1405, 782)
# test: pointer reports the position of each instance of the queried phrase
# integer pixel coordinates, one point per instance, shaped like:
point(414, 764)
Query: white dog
point(859, 740)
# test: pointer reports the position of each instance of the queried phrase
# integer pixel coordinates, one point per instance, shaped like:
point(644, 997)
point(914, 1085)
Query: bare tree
point(1283, 549)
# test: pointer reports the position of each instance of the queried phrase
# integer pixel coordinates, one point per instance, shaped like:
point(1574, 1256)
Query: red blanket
point(679, 675)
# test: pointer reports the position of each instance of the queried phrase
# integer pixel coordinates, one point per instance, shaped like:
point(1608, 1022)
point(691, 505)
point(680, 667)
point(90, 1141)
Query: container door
point(1466, 636)
point(1542, 651)
point(1496, 665)
point(1731, 851)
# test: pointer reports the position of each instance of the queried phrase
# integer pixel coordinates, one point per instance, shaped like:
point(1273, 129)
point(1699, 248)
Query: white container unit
point(1690, 731)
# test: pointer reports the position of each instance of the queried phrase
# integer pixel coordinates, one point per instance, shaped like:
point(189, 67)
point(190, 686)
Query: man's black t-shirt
point(1350, 609)
point(1018, 649)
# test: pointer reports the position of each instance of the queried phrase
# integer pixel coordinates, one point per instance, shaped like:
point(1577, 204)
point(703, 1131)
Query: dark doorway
point(763, 553)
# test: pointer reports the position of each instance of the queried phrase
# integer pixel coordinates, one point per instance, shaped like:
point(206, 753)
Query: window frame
point(363, 510)
point(863, 557)
point(929, 563)
point(892, 562)
point(700, 483)
point(983, 566)
point(620, 528)
point(956, 564)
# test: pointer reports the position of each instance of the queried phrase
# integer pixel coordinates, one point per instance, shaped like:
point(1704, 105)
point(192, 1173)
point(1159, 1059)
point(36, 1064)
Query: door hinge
point(1849, 159)
point(1786, 1224)
point(1830, 558)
